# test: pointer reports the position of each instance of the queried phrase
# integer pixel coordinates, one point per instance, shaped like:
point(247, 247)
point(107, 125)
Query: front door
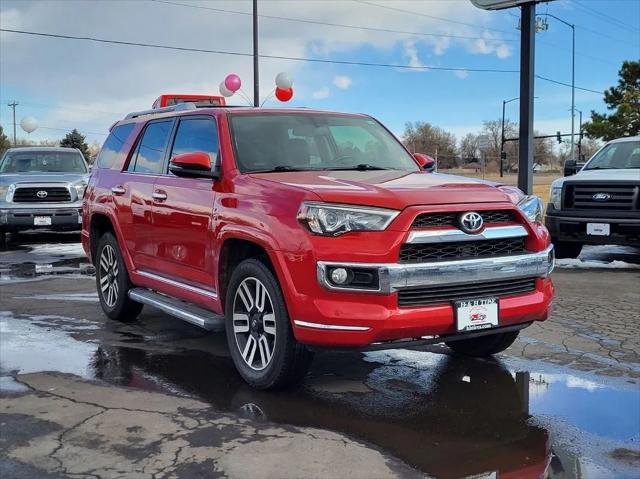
point(182, 210)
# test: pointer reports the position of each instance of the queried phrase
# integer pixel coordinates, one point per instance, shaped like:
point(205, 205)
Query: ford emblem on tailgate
point(601, 197)
point(470, 222)
point(42, 194)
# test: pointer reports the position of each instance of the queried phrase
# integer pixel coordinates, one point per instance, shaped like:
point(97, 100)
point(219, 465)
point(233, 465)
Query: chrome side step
point(187, 312)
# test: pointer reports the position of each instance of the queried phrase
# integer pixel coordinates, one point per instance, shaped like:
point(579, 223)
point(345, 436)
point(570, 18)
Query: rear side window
point(149, 156)
point(196, 134)
point(113, 146)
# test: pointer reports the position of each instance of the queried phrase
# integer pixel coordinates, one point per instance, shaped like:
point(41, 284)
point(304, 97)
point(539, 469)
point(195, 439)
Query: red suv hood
point(390, 189)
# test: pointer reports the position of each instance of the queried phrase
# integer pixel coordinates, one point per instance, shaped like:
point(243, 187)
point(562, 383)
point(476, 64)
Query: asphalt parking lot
point(81, 396)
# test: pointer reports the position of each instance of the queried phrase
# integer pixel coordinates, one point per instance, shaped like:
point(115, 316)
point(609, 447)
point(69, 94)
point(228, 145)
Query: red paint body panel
point(181, 238)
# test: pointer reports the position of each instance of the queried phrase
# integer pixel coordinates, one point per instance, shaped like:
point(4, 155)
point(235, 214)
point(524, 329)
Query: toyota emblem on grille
point(470, 222)
point(601, 197)
point(42, 194)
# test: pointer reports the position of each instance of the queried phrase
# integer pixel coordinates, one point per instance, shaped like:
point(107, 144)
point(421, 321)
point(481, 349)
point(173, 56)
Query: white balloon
point(224, 91)
point(284, 81)
point(29, 124)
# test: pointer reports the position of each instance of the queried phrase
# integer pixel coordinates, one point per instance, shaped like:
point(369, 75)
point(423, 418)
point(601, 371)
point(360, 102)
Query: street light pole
point(256, 76)
point(573, 77)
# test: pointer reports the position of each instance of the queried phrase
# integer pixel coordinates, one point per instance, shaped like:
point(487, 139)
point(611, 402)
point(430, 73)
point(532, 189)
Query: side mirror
point(570, 167)
point(196, 164)
point(425, 161)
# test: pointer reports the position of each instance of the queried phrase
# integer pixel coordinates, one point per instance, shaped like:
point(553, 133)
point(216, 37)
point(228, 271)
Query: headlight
point(329, 219)
point(533, 207)
point(8, 196)
point(80, 189)
point(555, 197)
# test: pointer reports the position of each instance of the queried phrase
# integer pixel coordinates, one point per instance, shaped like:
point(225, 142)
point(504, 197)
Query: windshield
point(315, 141)
point(43, 162)
point(616, 156)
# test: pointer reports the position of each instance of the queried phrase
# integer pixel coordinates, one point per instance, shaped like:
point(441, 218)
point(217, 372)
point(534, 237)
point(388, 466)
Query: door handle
point(118, 190)
point(159, 195)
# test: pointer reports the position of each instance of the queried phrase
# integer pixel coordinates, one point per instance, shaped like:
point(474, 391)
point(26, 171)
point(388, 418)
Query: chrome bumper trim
point(393, 276)
point(335, 327)
point(444, 236)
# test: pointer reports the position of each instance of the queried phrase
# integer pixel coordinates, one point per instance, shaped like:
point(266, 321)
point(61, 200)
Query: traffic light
point(558, 137)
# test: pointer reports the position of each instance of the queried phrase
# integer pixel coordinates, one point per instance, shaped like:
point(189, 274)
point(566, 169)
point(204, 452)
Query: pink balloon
point(232, 82)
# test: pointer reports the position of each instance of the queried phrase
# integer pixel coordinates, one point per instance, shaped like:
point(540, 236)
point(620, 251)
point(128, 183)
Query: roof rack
point(164, 109)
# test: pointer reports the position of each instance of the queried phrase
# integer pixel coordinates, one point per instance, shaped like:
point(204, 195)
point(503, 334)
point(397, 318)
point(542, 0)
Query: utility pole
point(527, 72)
point(13, 105)
point(256, 76)
point(580, 136)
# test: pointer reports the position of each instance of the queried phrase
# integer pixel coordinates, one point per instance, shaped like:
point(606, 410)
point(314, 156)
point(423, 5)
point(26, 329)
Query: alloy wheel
point(254, 323)
point(109, 276)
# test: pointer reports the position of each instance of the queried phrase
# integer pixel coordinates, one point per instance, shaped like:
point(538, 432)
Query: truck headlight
point(533, 207)
point(80, 189)
point(329, 219)
point(555, 197)
point(7, 193)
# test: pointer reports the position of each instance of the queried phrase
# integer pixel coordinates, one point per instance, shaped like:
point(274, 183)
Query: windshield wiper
point(601, 168)
point(361, 167)
point(279, 168)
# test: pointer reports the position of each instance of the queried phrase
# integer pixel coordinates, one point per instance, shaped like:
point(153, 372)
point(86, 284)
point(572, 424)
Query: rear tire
point(113, 283)
point(258, 329)
point(484, 345)
point(566, 249)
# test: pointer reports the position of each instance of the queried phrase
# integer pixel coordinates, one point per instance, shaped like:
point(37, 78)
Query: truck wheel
point(566, 249)
point(258, 330)
point(113, 281)
point(484, 345)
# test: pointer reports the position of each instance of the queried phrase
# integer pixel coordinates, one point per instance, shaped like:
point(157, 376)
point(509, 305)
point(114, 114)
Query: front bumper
point(623, 231)
point(336, 317)
point(66, 218)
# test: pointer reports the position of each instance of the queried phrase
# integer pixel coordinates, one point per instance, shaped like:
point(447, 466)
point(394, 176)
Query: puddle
point(446, 416)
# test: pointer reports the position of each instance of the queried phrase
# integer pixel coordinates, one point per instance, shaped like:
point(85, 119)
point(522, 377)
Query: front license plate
point(42, 220)
point(474, 314)
point(598, 229)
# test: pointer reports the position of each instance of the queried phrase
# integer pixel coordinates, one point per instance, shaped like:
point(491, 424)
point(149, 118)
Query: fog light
point(339, 275)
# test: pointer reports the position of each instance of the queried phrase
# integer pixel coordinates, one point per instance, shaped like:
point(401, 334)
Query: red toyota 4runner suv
point(297, 230)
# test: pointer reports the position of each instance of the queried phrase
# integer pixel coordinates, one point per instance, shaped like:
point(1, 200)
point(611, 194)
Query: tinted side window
point(151, 149)
point(197, 134)
point(113, 146)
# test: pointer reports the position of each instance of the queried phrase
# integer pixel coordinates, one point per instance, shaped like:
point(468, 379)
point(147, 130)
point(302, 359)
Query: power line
point(420, 14)
point(604, 16)
point(241, 54)
point(340, 25)
point(67, 130)
point(61, 107)
point(279, 57)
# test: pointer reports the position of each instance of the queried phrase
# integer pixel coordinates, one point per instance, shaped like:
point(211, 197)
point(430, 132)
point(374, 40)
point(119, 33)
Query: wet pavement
point(563, 401)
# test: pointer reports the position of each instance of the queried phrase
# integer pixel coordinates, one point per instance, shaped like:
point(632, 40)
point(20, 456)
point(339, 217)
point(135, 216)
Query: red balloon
point(284, 95)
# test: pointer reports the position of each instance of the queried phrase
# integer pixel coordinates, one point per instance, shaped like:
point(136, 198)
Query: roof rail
point(165, 109)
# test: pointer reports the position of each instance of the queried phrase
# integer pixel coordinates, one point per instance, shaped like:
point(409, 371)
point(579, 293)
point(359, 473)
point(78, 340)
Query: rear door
point(182, 210)
point(133, 195)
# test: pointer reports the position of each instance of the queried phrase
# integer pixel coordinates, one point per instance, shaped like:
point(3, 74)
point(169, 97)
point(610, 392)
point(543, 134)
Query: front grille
point(428, 295)
point(29, 194)
point(621, 196)
point(423, 253)
point(426, 220)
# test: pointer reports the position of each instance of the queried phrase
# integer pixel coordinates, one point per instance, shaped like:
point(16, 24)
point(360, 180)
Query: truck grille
point(618, 196)
point(54, 194)
point(426, 220)
point(428, 295)
point(460, 250)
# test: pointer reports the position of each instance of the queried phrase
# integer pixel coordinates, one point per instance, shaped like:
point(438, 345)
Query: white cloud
point(320, 94)
point(489, 44)
point(411, 52)
point(342, 81)
point(461, 74)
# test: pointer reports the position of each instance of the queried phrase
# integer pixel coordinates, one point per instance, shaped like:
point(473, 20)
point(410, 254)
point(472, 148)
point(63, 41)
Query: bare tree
point(469, 147)
point(422, 137)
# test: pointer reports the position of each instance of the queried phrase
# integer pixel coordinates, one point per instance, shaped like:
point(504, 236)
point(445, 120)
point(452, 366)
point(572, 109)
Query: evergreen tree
point(76, 140)
point(624, 100)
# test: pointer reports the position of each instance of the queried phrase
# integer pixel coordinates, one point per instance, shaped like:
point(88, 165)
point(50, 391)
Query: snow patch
point(594, 264)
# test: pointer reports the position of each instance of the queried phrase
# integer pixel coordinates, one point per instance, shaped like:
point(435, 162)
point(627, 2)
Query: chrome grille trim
point(455, 235)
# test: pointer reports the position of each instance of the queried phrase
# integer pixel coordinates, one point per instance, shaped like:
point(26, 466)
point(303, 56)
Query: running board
point(186, 311)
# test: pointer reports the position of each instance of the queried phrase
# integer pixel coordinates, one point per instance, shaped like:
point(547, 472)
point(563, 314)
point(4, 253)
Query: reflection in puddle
point(447, 416)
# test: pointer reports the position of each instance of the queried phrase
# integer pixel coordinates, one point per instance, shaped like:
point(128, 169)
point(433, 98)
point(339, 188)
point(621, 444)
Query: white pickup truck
point(601, 203)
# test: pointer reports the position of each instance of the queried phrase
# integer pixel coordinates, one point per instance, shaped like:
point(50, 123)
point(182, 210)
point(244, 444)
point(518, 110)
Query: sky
point(66, 84)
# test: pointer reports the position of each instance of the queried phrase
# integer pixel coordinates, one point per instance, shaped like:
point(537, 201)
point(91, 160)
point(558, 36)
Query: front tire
point(566, 249)
point(112, 280)
point(484, 345)
point(259, 333)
